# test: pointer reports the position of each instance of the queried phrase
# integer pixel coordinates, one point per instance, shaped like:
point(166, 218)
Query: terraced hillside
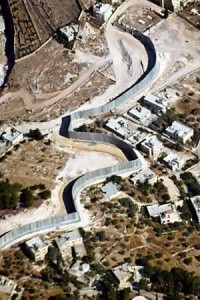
point(35, 20)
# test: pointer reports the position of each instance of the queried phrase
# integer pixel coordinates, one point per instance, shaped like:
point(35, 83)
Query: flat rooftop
point(156, 209)
point(35, 244)
point(152, 142)
point(156, 100)
point(119, 125)
point(173, 159)
point(179, 129)
point(11, 135)
point(110, 189)
point(143, 175)
point(68, 236)
point(140, 112)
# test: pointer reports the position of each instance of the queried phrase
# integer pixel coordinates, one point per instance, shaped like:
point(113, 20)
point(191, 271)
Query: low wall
point(134, 163)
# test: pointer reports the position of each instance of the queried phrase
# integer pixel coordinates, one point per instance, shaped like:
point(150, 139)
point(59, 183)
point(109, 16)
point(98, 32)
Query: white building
point(110, 190)
point(140, 113)
point(12, 137)
point(195, 201)
point(143, 175)
point(37, 248)
point(103, 11)
point(180, 132)
point(119, 126)
point(68, 240)
point(174, 161)
point(155, 103)
point(70, 31)
point(7, 286)
point(152, 147)
point(166, 212)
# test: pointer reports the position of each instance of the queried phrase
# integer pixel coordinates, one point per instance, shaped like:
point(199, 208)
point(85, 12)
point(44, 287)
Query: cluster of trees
point(161, 123)
point(172, 283)
point(115, 179)
point(35, 134)
point(192, 184)
point(9, 194)
point(12, 194)
point(158, 189)
point(132, 208)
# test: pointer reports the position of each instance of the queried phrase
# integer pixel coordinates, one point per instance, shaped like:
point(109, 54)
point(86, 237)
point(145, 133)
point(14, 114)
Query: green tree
point(46, 194)
point(35, 134)
point(26, 197)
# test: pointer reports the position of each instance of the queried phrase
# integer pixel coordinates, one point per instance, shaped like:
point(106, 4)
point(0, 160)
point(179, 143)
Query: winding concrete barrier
point(74, 220)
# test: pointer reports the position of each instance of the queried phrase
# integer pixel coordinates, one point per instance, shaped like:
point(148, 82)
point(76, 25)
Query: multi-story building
point(180, 132)
point(174, 161)
point(155, 103)
point(152, 147)
point(37, 248)
point(68, 240)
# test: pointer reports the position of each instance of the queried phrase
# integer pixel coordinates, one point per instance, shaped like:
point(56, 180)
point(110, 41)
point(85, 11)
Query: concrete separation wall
point(134, 163)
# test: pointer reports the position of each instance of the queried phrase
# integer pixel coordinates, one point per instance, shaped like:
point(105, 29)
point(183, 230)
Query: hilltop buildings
point(180, 132)
point(37, 248)
point(152, 147)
